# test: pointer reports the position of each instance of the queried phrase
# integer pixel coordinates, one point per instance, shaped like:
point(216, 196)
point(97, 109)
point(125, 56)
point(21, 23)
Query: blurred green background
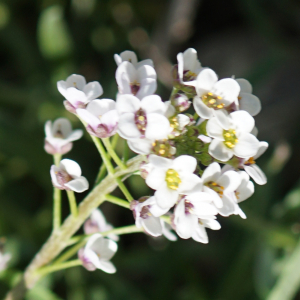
point(42, 42)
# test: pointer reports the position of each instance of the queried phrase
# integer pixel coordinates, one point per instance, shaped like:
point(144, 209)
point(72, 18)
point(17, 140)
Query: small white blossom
point(171, 178)
point(188, 66)
point(247, 101)
point(59, 136)
point(77, 92)
point(97, 254)
point(234, 140)
point(214, 96)
point(67, 176)
point(167, 233)
point(140, 82)
point(97, 223)
point(142, 118)
point(131, 57)
point(220, 187)
point(101, 117)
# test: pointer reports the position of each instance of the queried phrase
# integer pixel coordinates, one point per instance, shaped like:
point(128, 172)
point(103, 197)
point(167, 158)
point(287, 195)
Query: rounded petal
point(202, 205)
point(155, 178)
point(200, 234)
point(148, 62)
point(157, 211)
point(201, 109)
point(214, 129)
point(189, 183)
point(106, 266)
point(53, 171)
point(250, 103)
point(256, 173)
point(74, 96)
point(158, 127)
point(141, 146)
point(93, 90)
point(153, 104)
point(222, 117)
point(160, 162)
point(127, 127)
point(211, 223)
point(230, 180)
point(62, 126)
point(247, 145)
point(100, 107)
point(128, 56)
point(242, 120)
point(78, 185)
point(147, 87)
point(77, 81)
point(127, 104)
point(126, 71)
point(167, 232)
point(218, 150)
point(185, 163)
point(105, 248)
point(118, 59)
point(146, 71)
point(206, 79)
point(246, 188)
point(245, 85)
point(165, 197)
point(180, 65)
point(263, 146)
point(190, 59)
point(229, 206)
point(48, 129)
point(211, 173)
point(228, 89)
point(152, 225)
point(88, 117)
point(71, 167)
point(62, 87)
point(215, 197)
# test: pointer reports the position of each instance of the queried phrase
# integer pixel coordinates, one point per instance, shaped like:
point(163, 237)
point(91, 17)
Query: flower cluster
point(200, 147)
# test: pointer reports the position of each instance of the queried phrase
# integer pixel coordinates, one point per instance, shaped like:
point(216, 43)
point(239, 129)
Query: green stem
point(117, 201)
point(57, 158)
point(56, 209)
point(73, 204)
point(288, 282)
point(113, 154)
point(124, 190)
point(49, 269)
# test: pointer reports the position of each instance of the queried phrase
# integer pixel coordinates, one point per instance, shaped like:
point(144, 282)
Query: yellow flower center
point(213, 101)
point(230, 138)
point(173, 180)
point(250, 161)
point(215, 187)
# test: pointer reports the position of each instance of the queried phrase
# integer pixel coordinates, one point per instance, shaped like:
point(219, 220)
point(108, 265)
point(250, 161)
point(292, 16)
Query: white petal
point(205, 81)
point(100, 107)
point(167, 232)
point(158, 127)
point(228, 89)
point(201, 109)
point(245, 85)
point(93, 90)
point(127, 127)
point(250, 103)
point(147, 87)
point(128, 70)
point(230, 180)
point(145, 62)
point(243, 120)
point(180, 65)
point(153, 104)
point(214, 129)
point(62, 87)
point(229, 206)
point(106, 248)
point(78, 185)
point(218, 150)
point(106, 266)
point(189, 182)
point(48, 129)
point(165, 197)
point(127, 104)
point(152, 225)
point(211, 173)
point(160, 162)
point(190, 59)
point(75, 135)
point(71, 167)
point(77, 81)
point(157, 211)
point(200, 234)
point(182, 120)
point(62, 125)
point(146, 72)
point(129, 56)
point(185, 163)
point(216, 199)
point(256, 173)
point(245, 191)
point(110, 119)
point(75, 96)
point(53, 171)
point(88, 117)
point(247, 145)
point(222, 117)
point(141, 146)
point(155, 178)
point(263, 146)
point(118, 59)
point(211, 223)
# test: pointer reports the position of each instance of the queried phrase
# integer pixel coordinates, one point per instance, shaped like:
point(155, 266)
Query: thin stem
point(56, 159)
point(49, 269)
point(124, 190)
point(114, 141)
point(113, 154)
point(56, 209)
point(73, 204)
point(117, 201)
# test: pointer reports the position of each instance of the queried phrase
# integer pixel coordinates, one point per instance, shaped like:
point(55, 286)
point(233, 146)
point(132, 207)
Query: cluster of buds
point(198, 163)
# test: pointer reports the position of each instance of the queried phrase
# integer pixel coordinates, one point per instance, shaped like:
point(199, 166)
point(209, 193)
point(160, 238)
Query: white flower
point(132, 58)
point(192, 214)
point(101, 117)
point(77, 92)
point(139, 82)
point(97, 253)
point(234, 140)
point(214, 96)
point(247, 101)
point(181, 102)
point(167, 233)
point(142, 118)
point(170, 178)
point(67, 176)
point(188, 66)
point(252, 168)
point(97, 223)
point(4, 259)
point(220, 187)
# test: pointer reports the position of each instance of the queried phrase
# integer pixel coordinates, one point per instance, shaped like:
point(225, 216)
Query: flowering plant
point(197, 151)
